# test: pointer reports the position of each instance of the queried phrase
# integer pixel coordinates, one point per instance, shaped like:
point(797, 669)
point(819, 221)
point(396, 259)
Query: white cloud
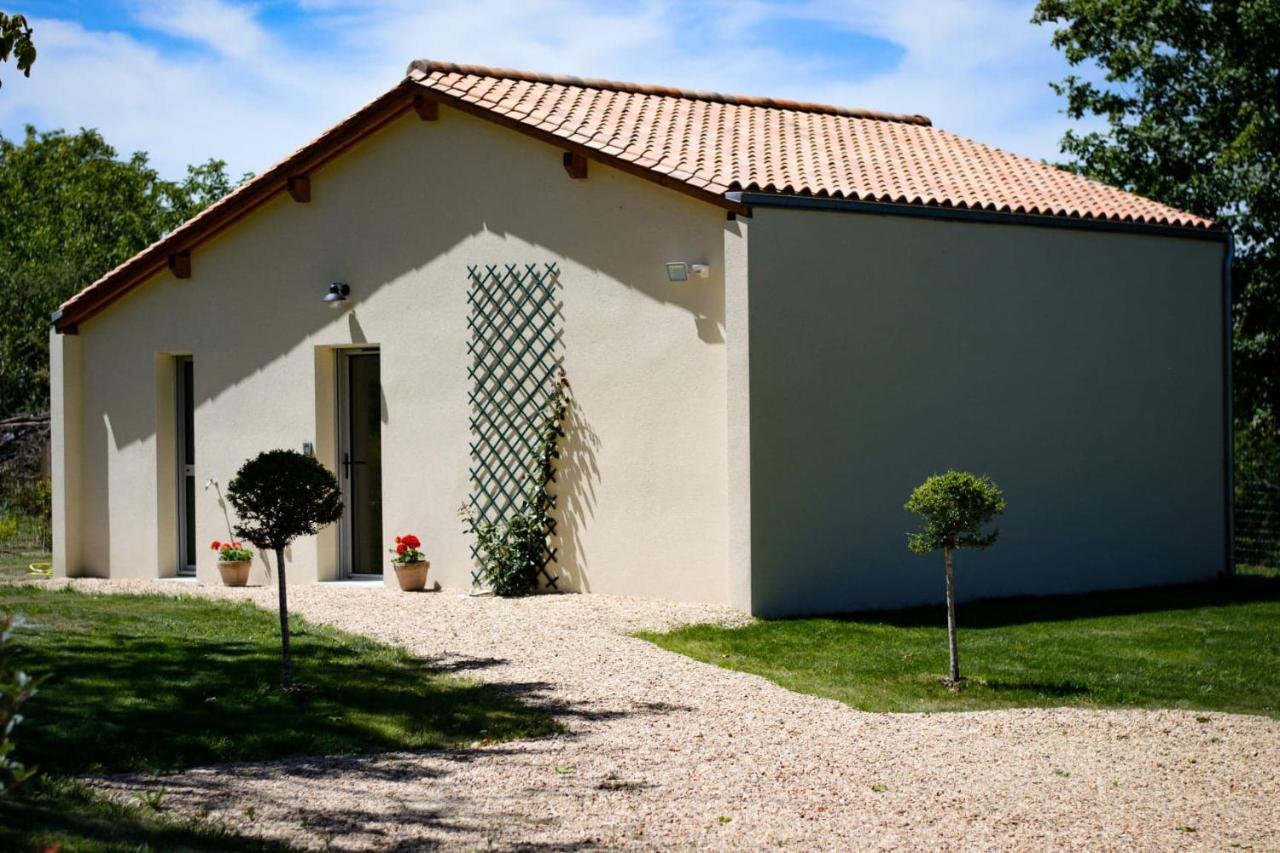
point(231, 30)
point(242, 91)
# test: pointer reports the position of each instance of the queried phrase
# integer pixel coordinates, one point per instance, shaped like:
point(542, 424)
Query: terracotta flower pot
point(235, 572)
point(412, 576)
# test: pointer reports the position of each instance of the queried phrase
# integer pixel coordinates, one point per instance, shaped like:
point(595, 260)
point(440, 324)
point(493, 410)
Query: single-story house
point(774, 318)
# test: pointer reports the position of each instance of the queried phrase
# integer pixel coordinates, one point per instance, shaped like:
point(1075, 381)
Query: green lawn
point(15, 565)
point(1209, 646)
point(160, 683)
point(55, 810)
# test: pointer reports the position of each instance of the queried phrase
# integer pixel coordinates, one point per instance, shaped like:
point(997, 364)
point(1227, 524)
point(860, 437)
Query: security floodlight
point(338, 292)
point(683, 271)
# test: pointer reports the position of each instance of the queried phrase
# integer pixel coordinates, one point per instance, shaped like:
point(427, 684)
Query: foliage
point(1191, 100)
point(954, 506)
point(407, 550)
point(514, 550)
point(281, 495)
point(16, 689)
point(31, 497)
point(15, 41)
point(1211, 646)
point(72, 210)
point(231, 552)
point(1256, 515)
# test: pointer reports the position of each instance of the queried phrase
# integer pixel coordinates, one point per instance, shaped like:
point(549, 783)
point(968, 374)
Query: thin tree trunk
point(287, 659)
point(951, 620)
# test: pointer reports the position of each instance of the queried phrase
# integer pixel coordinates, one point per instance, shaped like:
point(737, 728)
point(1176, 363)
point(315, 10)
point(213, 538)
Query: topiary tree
point(955, 506)
point(278, 496)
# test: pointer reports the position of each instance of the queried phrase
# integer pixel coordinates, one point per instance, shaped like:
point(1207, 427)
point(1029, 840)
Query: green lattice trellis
point(515, 365)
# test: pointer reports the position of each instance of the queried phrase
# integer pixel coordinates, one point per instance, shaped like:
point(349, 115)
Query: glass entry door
point(360, 462)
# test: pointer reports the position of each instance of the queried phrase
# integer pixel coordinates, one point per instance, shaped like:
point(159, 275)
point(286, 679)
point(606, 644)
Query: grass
point(154, 683)
point(56, 813)
point(14, 564)
point(1213, 647)
point(178, 682)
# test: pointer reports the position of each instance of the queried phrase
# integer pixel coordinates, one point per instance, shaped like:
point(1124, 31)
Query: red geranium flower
point(397, 540)
point(411, 541)
point(401, 548)
point(216, 545)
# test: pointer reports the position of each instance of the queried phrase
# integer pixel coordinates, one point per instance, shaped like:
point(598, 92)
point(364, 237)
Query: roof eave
point(1209, 231)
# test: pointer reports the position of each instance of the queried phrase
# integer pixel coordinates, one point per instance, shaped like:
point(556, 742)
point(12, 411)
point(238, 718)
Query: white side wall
point(738, 387)
point(66, 417)
point(400, 218)
point(1083, 371)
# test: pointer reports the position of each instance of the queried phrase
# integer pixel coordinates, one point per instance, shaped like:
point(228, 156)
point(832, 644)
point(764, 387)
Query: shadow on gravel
point(428, 804)
point(454, 664)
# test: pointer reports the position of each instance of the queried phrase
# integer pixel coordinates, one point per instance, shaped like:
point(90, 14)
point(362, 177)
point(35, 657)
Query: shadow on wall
point(261, 555)
point(577, 474)
point(297, 253)
point(296, 250)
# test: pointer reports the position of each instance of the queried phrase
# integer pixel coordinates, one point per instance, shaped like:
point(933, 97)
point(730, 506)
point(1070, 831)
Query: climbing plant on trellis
point(515, 375)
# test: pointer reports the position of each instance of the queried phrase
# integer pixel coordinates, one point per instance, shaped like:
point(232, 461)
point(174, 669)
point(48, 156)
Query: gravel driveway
point(665, 752)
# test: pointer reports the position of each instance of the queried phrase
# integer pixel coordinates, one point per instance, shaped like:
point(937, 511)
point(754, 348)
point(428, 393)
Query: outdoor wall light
point(338, 292)
point(681, 271)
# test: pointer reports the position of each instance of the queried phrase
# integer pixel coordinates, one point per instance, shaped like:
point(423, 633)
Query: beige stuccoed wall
point(400, 217)
point(1082, 370)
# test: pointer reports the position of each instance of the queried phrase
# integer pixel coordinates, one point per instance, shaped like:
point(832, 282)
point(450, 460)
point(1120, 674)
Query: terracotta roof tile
point(723, 143)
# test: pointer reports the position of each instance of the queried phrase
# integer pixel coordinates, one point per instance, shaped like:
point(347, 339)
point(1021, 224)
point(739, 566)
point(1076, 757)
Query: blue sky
point(247, 82)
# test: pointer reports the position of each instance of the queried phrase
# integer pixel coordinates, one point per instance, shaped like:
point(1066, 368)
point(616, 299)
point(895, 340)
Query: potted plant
point(234, 562)
point(410, 563)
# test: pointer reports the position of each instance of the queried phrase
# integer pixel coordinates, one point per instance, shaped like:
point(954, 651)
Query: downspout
point(1229, 450)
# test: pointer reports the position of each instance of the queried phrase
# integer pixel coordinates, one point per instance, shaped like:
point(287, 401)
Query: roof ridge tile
point(422, 68)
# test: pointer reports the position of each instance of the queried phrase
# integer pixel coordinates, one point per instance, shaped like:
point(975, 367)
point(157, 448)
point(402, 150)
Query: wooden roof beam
point(428, 109)
point(300, 188)
point(180, 264)
point(575, 164)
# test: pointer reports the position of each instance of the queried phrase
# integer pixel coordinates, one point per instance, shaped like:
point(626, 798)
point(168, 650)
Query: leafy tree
point(15, 41)
point(955, 507)
point(1191, 98)
point(279, 496)
point(72, 210)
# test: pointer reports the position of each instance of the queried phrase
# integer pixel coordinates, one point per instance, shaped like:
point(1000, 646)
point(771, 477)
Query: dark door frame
point(184, 462)
point(347, 466)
